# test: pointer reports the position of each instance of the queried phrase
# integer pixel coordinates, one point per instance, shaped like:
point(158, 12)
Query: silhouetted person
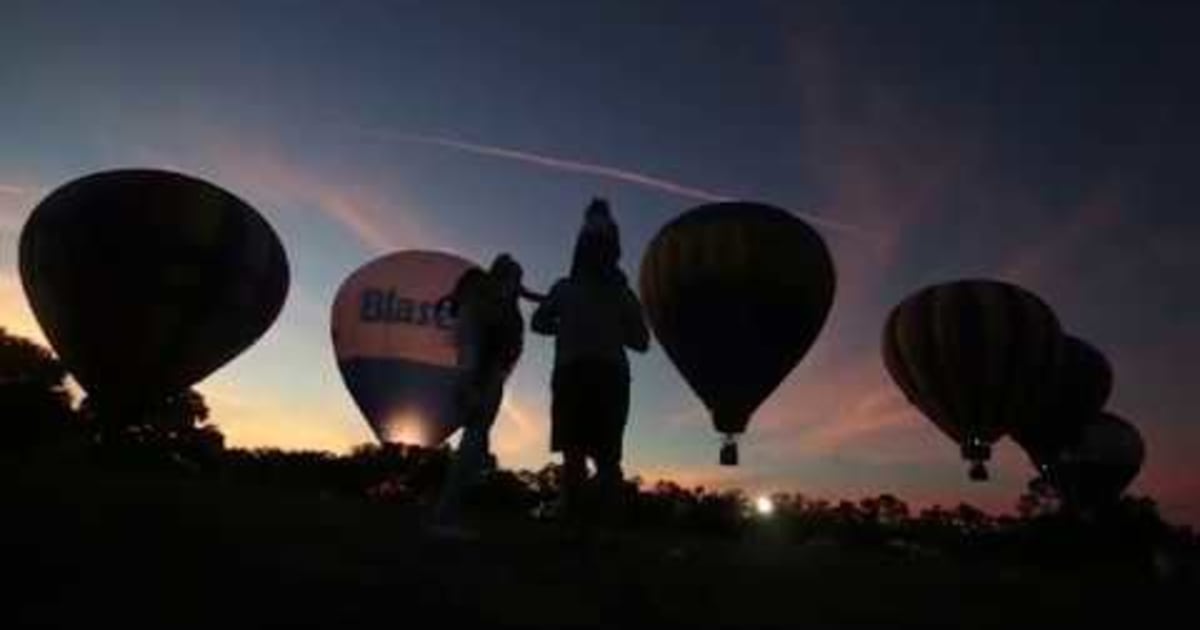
point(594, 316)
point(491, 332)
point(598, 245)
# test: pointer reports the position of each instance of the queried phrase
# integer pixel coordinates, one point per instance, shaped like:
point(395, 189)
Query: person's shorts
point(589, 409)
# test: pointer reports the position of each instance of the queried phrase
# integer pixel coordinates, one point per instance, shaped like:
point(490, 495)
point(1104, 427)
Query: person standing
point(491, 336)
point(594, 317)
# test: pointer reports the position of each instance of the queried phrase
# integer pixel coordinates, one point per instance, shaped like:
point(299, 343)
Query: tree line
point(176, 438)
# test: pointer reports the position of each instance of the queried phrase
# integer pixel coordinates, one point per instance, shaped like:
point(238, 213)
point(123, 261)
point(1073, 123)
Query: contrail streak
point(5, 189)
point(596, 170)
point(571, 166)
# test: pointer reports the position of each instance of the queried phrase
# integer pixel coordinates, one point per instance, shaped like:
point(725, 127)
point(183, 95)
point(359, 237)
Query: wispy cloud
point(875, 411)
point(381, 225)
point(357, 218)
point(1071, 241)
point(277, 180)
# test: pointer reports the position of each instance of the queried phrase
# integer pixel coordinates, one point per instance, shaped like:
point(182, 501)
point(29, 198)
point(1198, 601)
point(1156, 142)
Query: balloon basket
point(729, 454)
point(978, 472)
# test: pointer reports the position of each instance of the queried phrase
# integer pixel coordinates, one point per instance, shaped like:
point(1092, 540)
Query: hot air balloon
point(1101, 465)
point(737, 293)
point(974, 356)
point(146, 281)
point(393, 334)
point(1080, 390)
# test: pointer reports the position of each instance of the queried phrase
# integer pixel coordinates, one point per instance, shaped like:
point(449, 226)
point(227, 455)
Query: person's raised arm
point(545, 317)
point(637, 336)
point(533, 296)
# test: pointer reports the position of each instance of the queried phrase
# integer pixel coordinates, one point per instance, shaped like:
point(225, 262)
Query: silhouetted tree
point(35, 405)
point(1040, 500)
point(172, 430)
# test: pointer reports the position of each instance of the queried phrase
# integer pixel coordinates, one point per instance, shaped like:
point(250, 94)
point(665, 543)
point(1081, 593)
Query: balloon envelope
point(146, 281)
point(1102, 464)
point(736, 293)
point(974, 356)
point(1083, 384)
point(394, 337)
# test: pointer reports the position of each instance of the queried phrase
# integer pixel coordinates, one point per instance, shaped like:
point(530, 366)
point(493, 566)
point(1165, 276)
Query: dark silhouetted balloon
point(737, 293)
point(1080, 390)
point(394, 336)
point(974, 356)
point(146, 281)
point(1102, 464)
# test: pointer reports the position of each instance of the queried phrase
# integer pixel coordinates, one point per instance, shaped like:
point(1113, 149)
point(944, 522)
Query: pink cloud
point(851, 410)
point(1054, 261)
point(271, 178)
point(876, 411)
point(887, 160)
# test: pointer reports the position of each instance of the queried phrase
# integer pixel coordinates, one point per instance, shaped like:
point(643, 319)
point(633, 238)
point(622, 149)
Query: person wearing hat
point(594, 317)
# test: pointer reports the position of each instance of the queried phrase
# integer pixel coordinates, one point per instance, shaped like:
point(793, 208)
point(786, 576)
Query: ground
point(91, 549)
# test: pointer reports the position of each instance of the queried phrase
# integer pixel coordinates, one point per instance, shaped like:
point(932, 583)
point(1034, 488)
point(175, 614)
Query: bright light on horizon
point(407, 428)
point(764, 506)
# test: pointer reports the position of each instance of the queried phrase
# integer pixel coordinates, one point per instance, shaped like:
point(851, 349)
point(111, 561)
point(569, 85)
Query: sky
point(1049, 144)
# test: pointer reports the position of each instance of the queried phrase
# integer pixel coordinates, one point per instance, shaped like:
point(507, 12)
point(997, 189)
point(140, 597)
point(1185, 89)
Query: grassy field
point(85, 549)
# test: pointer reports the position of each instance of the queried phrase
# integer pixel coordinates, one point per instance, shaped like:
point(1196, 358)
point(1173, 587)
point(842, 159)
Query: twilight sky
point(1049, 144)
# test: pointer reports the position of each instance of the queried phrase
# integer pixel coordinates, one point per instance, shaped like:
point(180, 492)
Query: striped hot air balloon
point(1082, 387)
point(146, 281)
point(1099, 467)
point(736, 293)
point(976, 357)
point(397, 349)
